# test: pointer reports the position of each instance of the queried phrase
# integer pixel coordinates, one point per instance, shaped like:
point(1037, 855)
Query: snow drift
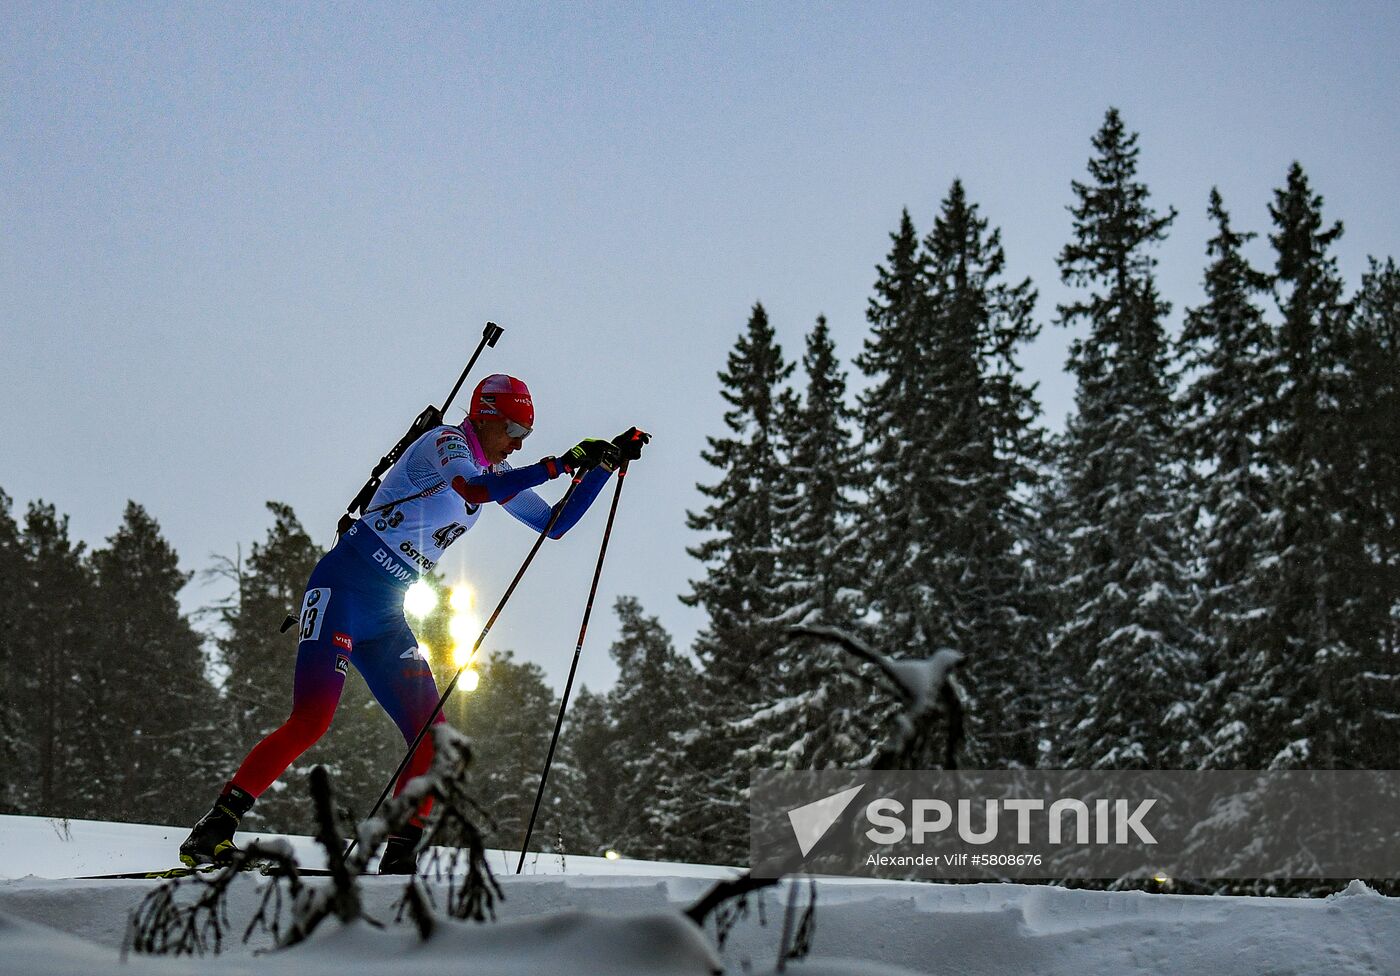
point(583, 916)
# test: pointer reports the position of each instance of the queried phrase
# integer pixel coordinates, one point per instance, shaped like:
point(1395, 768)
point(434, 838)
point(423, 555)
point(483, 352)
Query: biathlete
point(352, 612)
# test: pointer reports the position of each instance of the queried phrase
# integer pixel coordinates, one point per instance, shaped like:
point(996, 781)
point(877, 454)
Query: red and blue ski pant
point(351, 615)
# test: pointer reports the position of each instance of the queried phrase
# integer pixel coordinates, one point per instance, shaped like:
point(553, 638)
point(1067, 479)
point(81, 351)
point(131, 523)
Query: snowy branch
point(162, 926)
point(926, 686)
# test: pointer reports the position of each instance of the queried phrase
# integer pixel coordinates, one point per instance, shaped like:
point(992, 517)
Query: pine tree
point(509, 718)
point(1376, 420)
point(44, 613)
point(13, 609)
point(256, 653)
point(740, 557)
point(1124, 643)
point(1228, 410)
point(590, 733)
point(1307, 689)
point(815, 715)
point(894, 414)
point(984, 446)
point(651, 704)
point(54, 633)
point(952, 449)
point(153, 703)
point(817, 510)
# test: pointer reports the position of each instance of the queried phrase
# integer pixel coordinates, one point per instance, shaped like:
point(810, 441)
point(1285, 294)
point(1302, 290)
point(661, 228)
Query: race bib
point(313, 612)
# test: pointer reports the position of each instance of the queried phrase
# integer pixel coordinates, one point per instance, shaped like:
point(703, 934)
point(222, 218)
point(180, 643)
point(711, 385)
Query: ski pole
point(573, 668)
point(442, 699)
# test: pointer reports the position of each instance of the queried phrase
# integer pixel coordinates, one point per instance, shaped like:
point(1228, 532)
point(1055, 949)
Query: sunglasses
point(518, 431)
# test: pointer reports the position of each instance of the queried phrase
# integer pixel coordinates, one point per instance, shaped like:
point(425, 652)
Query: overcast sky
point(243, 245)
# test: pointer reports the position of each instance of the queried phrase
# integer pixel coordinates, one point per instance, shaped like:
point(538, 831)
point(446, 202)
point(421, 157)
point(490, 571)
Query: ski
point(266, 868)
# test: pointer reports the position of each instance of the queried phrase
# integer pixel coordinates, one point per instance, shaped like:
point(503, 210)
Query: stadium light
point(420, 599)
point(470, 679)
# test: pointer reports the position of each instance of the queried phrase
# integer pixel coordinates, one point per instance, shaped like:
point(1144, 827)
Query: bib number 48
point(448, 534)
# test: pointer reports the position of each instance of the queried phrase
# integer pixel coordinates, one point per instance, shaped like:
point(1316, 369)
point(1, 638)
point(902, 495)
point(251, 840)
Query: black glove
point(591, 452)
point(630, 442)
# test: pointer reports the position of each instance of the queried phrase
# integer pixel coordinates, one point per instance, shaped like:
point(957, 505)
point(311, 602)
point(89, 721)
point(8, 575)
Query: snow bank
point(45, 847)
point(591, 916)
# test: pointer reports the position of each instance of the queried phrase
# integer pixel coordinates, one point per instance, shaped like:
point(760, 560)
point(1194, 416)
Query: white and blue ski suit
point(352, 612)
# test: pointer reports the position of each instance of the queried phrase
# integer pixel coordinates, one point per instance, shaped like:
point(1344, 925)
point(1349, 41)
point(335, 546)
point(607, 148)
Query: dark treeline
point(1201, 571)
point(104, 697)
point(109, 708)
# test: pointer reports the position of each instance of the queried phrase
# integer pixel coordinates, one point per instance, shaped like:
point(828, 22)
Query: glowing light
point(464, 628)
point(420, 599)
point(470, 679)
point(1160, 878)
point(612, 855)
point(461, 598)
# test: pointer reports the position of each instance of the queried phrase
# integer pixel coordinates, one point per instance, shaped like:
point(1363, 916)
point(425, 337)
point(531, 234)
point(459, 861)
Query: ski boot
point(401, 851)
point(211, 840)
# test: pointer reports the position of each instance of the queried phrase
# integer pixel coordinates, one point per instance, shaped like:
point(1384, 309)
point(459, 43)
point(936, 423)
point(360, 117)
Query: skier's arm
point(512, 488)
point(532, 510)
point(535, 512)
point(500, 486)
point(478, 484)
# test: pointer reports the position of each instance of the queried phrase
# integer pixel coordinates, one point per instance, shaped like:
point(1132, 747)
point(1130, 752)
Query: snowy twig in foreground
point(474, 897)
point(444, 783)
point(796, 942)
point(162, 926)
point(723, 892)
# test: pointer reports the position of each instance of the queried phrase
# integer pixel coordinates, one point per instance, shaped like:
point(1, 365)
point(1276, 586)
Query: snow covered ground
point(586, 916)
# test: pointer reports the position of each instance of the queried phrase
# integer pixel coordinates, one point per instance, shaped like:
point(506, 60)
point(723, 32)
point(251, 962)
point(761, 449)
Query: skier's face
point(495, 440)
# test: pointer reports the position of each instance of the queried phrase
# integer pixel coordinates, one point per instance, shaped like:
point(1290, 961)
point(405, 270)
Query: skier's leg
point(398, 676)
point(400, 679)
point(322, 660)
point(316, 688)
